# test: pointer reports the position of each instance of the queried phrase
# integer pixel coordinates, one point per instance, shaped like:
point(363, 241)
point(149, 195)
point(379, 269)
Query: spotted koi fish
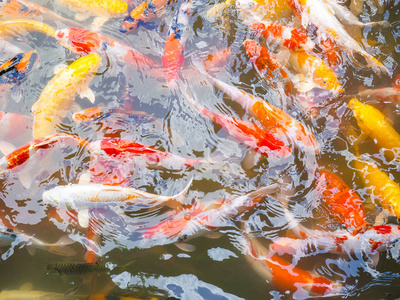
point(342, 202)
point(126, 151)
point(141, 14)
point(173, 58)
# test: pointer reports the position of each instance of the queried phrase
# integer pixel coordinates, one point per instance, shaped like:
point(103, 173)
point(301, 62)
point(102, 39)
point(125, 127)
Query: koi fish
point(248, 133)
point(102, 9)
point(391, 94)
point(374, 124)
point(318, 13)
point(173, 58)
point(274, 119)
point(126, 151)
point(274, 10)
point(84, 41)
point(343, 203)
point(380, 185)
point(267, 66)
point(58, 95)
point(10, 27)
point(141, 14)
point(89, 195)
point(322, 75)
point(15, 129)
point(286, 277)
point(9, 236)
point(201, 221)
point(14, 71)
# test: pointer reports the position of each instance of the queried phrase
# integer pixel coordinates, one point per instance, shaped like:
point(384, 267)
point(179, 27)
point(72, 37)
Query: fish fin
point(98, 22)
point(149, 25)
point(80, 17)
point(58, 68)
point(185, 247)
point(16, 93)
point(181, 196)
point(6, 147)
point(84, 178)
point(88, 93)
point(31, 250)
point(83, 217)
point(26, 179)
point(250, 159)
point(73, 290)
point(26, 287)
point(380, 219)
point(374, 260)
point(213, 235)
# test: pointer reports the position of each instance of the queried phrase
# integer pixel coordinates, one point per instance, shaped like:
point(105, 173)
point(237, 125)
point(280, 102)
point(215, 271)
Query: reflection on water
point(201, 248)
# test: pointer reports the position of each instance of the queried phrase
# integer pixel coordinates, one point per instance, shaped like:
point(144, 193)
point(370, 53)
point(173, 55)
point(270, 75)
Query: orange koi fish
point(84, 41)
point(141, 14)
point(274, 119)
point(248, 133)
point(286, 277)
point(343, 203)
point(267, 66)
point(173, 57)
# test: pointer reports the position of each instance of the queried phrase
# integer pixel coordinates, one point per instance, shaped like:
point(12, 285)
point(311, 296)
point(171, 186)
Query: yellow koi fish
point(380, 185)
point(60, 92)
point(9, 27)
point(374, 124)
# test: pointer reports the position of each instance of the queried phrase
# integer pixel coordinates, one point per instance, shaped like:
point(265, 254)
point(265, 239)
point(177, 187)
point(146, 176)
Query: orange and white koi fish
point(285, 276)
point(58, 95)
point(14, 71)
point(379, 184)
point(322, 75)
point(125, 151)
point(318, 13)
point(84, 41)
point(374, 124)
point(101, 9)
point(141, 14)
point(342, 202)
point(173, 58)
point(15, 129)
point(268, 67)
point(271, 117)
point(201, 220)
point(248, 133)
point(75, 196)
point(10, 27)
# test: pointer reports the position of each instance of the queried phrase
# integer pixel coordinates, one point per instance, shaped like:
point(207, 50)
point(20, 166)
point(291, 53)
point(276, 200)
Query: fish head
point(326, 78)
point(79, 40)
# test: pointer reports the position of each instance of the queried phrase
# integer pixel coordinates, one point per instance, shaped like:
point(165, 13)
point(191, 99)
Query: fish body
point(374, 124)
point(216, 60)
point(88, 195)
point(342, 202)
point(60, 92)
point(17, 159)
point(173, 57)
point(274, 10)
point(318, 14)
point(380, 185)
point(84, 41)
point(249, 134)
point(125, 151)
point(285, 276)
point(141, 14)
point(8, 28)
point(75, 268)
point(105, 8)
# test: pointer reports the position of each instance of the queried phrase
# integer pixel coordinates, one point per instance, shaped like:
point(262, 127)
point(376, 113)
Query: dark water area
point(216, 268)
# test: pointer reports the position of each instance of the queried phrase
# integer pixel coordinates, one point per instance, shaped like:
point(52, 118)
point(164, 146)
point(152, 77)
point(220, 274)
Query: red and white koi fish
point(342, 202)
point(76, 196)
point(268, 67)
point(273, 118)
point(248, 133)
point(84, 41)
point(173, 58)
point(285, 276)
point(201, 221)
point(318, 13)
point(127, 151)
point(15, 129)
point(141, 14)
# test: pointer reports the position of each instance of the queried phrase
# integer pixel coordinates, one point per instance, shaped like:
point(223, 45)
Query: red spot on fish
point(339, 241)
point(60, 34)
point(383, 229)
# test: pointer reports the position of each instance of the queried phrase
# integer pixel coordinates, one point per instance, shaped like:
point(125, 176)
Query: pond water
point(216, 268)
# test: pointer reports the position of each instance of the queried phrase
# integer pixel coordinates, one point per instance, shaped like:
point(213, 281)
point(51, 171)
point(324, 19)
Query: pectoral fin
point(83, 217)
point(185, 247)
point(6, 147)
point(88, 93)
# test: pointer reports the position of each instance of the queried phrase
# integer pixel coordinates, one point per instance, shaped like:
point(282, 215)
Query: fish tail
point(182, 195)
